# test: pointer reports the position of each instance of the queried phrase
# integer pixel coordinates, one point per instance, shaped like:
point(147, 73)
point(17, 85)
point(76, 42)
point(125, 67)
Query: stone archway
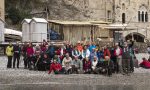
point(136, 36)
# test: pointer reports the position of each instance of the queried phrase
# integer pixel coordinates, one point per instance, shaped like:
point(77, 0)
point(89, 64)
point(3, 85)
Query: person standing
point(17, 50)
point(9, 53)
point(79, 46)
point(106, 52)
point(92, 46)
point(24, 53)
point(126, 59)
point(118, 54)
point(30, 53)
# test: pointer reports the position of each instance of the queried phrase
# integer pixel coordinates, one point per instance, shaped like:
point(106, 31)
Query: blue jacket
point(92, 47)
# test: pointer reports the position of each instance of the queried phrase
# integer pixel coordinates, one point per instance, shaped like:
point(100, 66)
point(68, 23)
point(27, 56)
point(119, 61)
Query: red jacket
point(120, 54)
point(55, 67)
point(145, 64)
point(106, 53)
point(30, 51)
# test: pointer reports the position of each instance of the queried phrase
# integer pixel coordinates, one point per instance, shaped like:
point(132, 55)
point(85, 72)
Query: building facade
point(2, 9)
point(133, 13)
point(2, 23)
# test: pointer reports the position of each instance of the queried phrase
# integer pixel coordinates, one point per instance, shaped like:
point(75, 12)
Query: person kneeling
point(145, 64)
point(76, 65)
point(94, 65)
point(56, 68)
point(43, 63)
point(66, 64)
point(87, 66)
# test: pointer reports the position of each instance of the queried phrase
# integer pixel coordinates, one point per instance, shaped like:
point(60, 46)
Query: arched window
point(139, 16)
point(142, 16)
point(123, 18)
point(123, 6)
point(146, 17)
point(142, 13)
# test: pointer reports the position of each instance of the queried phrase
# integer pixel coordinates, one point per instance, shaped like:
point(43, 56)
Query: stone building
point(2, 9)
point(2, 23)
point(135, 14)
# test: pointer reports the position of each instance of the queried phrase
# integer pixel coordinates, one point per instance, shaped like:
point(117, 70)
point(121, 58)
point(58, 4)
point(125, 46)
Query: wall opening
point(136, 36)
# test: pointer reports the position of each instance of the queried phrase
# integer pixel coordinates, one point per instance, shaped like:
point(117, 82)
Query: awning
point(119, 27)
point(13, 32)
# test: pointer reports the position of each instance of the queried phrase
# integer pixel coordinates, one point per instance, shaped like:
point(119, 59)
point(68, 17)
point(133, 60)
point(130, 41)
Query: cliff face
point(17, 10)
point(68, 9)
point(58, 9)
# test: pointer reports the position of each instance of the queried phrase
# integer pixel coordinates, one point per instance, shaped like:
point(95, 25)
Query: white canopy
point(11, 31)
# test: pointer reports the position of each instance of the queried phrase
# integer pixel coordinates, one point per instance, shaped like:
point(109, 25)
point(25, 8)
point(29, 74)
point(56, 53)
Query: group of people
point(78, 58)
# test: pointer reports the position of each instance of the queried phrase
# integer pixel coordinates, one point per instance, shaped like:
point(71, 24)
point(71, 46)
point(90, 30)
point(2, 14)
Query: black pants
point(28, 61)
point(116, 66)
point(25, 61)
point(131, 65)
point(75, 69)
point(9, 63)
point(16, 57)
point(105, 67)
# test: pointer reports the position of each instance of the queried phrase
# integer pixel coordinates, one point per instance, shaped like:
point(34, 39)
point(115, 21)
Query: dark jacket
point(126, 53)
point(17, 50)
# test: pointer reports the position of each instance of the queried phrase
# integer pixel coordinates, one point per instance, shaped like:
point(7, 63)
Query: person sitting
point(61, 52)
point(66, 63)
point(145, 64)
point(43, 63)
point(56, 68)
point(94, 65)
point(87, 66)
point(93, 54)
point(76, 65)
point(57, 58)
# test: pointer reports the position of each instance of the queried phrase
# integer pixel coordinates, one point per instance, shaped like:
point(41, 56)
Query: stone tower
point(2, 9)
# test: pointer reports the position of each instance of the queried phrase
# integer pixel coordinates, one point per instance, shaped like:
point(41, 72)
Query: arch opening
point(136, 36)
